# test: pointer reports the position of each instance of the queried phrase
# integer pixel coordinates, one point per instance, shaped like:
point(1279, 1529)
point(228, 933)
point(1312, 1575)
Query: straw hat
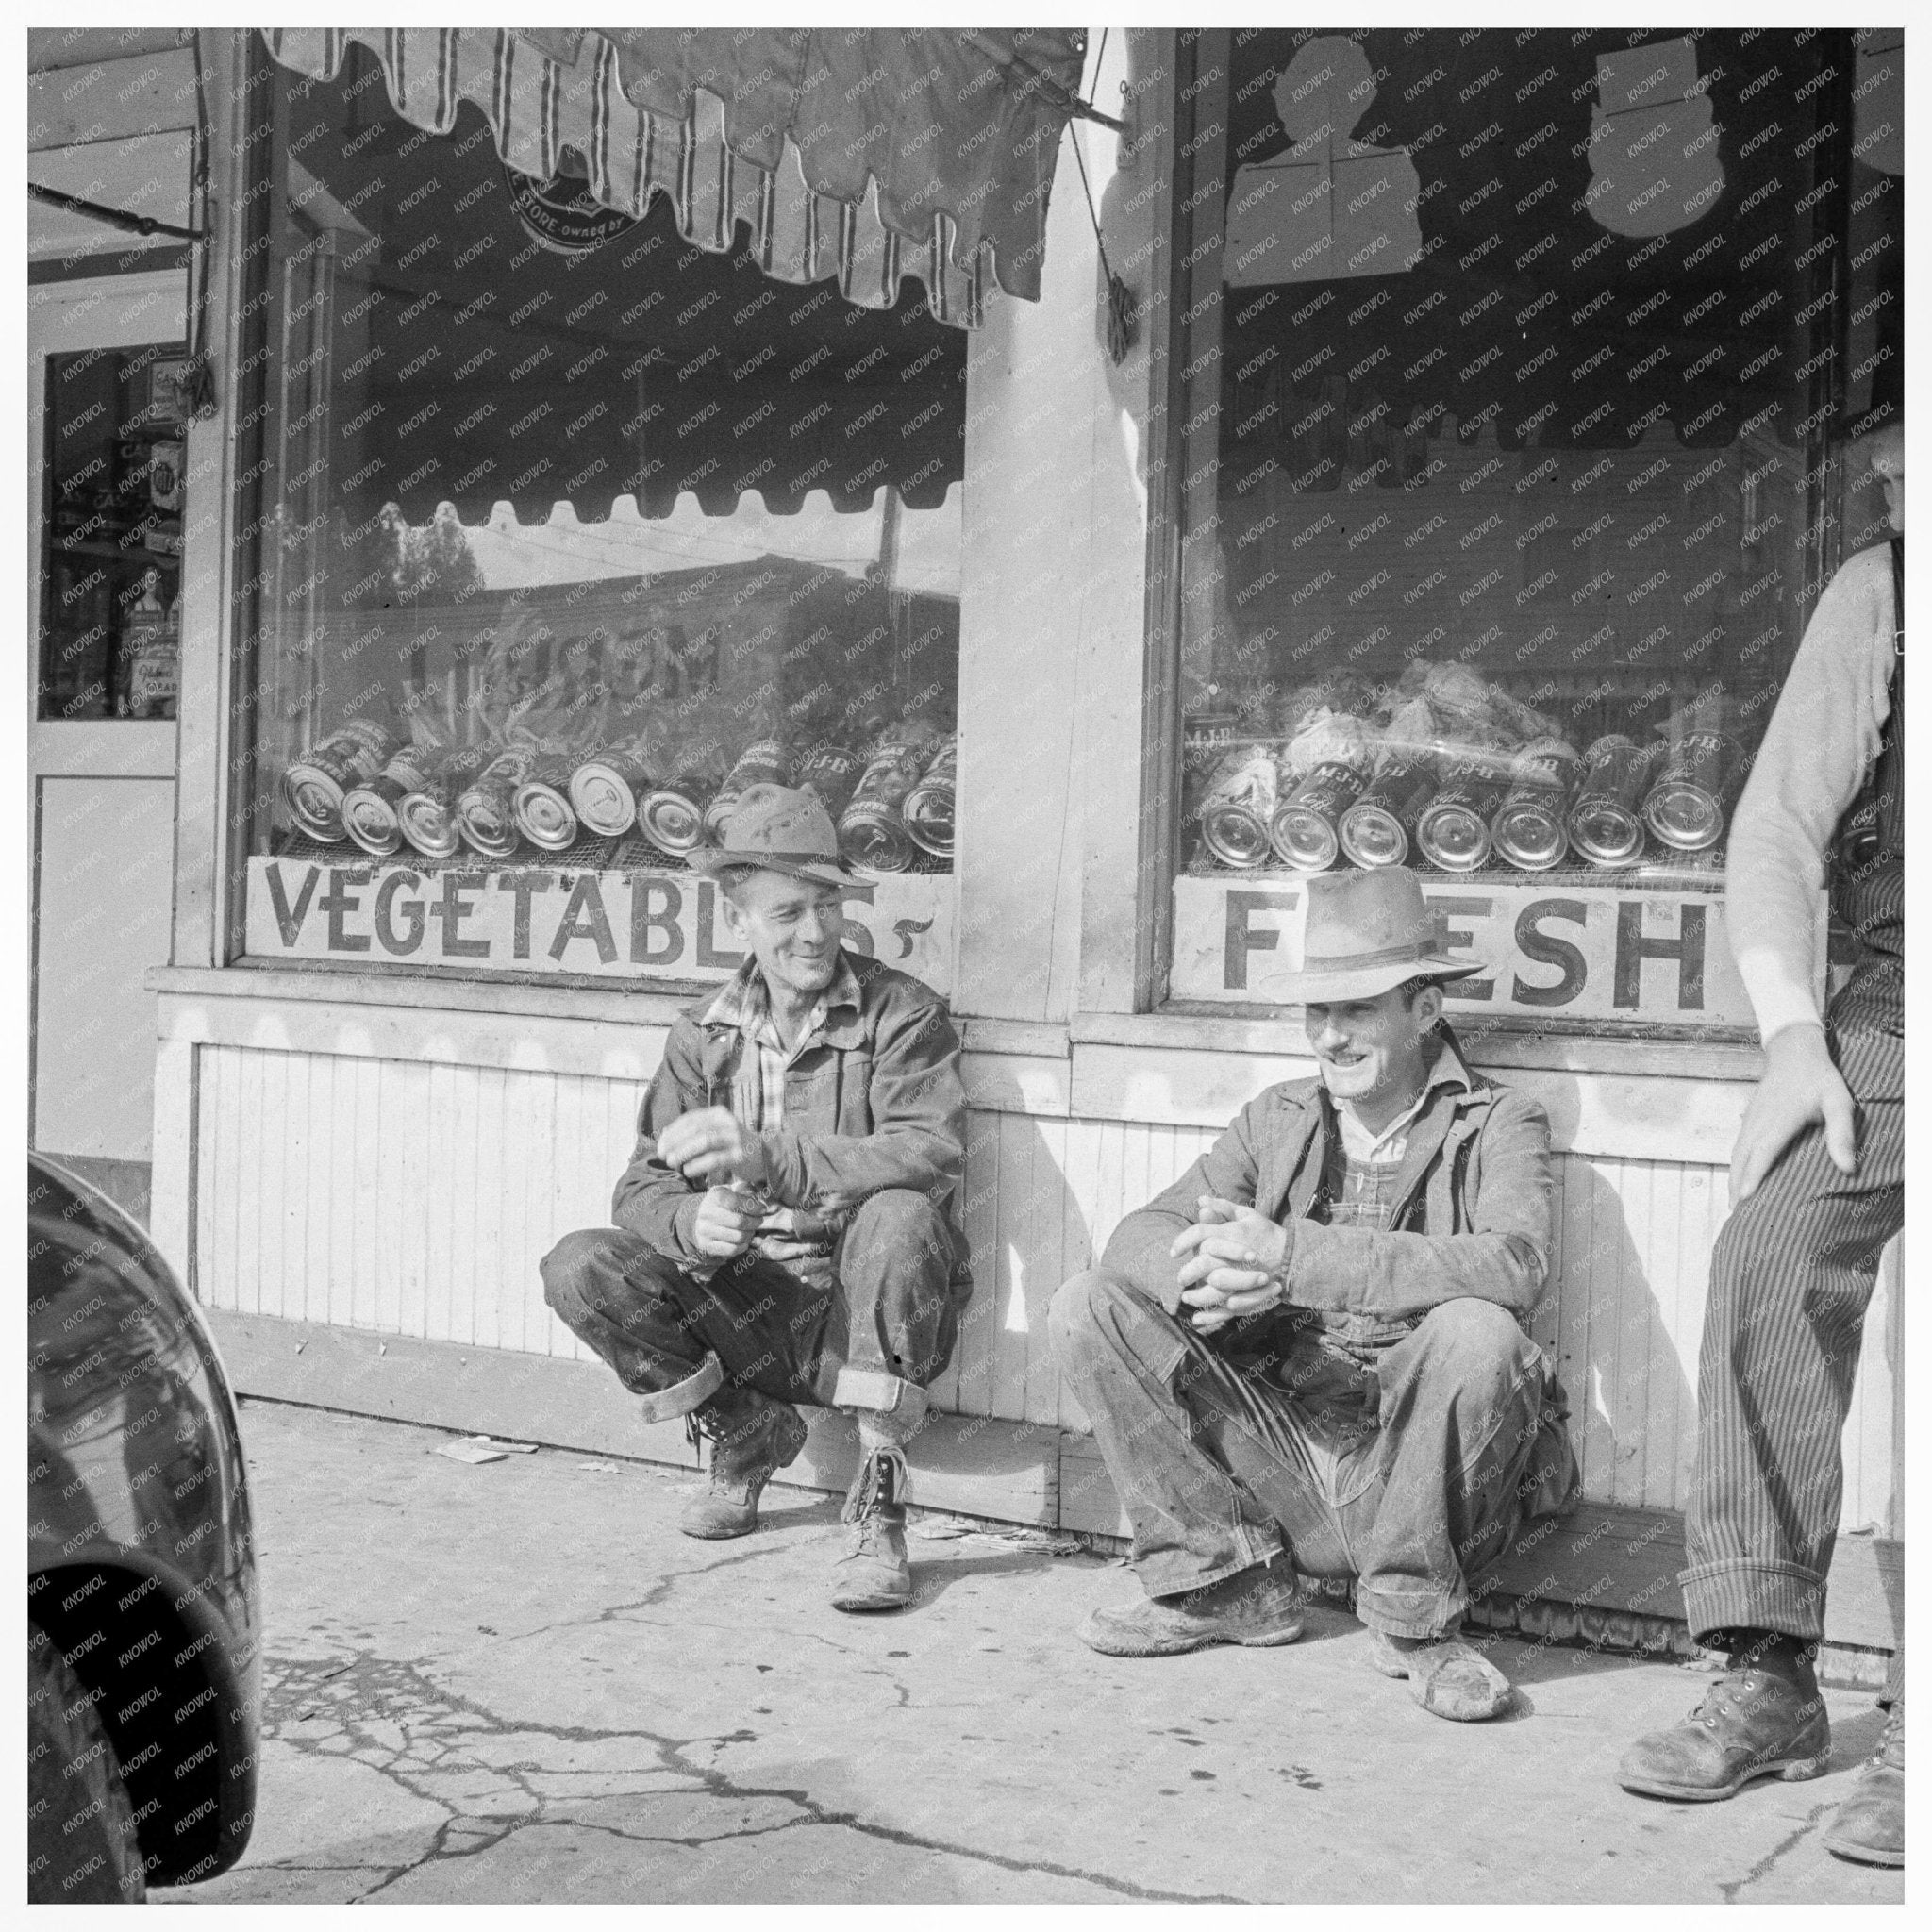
point(1368, 932)
point(777, 829)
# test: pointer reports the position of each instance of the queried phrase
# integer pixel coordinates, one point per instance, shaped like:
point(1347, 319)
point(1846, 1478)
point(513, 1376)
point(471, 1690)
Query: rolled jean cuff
point(1421, 1613)
point(881, 1391)
point(1747, 1596)
point(667, 1405)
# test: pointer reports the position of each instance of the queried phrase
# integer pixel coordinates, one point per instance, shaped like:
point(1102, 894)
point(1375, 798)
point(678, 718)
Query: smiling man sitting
point(1310, 1355)
point(787, 1230)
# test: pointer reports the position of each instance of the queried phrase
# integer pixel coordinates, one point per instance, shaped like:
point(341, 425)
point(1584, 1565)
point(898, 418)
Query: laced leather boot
point(1753, 1722)
point(874, 1575)
point(1869, 1826)
point(753, 1436)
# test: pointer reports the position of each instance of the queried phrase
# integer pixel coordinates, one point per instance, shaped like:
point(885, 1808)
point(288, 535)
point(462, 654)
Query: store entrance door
point(104, 462)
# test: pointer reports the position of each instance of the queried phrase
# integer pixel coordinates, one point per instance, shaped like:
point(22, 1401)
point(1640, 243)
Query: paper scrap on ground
point(515, 1448)
point(948, 1528)
point(613, 1468)
point(472, 1452)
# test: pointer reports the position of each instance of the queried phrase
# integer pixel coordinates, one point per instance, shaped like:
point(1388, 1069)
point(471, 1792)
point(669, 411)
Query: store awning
point(868, 154)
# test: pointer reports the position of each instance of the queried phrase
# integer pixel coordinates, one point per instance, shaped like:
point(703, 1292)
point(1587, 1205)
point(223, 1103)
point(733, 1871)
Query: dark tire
point(82, 1848)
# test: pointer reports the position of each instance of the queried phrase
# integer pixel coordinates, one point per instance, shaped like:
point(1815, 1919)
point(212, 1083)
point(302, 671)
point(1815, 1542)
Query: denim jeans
point(1395, 1458)
point(870, 1333)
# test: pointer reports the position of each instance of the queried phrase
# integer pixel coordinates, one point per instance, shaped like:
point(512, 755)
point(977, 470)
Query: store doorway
point(105, 494)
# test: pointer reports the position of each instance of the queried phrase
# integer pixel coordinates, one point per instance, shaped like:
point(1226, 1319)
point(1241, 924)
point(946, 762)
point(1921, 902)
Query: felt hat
point(1368, 932)
point(777, 829)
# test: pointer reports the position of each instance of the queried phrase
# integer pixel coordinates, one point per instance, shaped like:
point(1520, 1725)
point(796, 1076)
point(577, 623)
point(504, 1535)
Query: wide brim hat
point(1366, 933)
point(777, 829)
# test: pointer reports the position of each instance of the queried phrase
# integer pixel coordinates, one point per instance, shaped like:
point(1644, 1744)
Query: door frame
point(108, 311)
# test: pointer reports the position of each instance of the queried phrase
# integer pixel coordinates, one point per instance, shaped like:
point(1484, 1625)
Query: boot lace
point(880, 1482)
point(1891, 1755)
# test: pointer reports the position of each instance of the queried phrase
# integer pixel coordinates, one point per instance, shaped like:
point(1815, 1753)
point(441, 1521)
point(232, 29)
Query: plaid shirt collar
point(744, 1001)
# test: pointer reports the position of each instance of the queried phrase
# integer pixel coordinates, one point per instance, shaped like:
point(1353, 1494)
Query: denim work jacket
point(1472, 1214)
point(873, 1101)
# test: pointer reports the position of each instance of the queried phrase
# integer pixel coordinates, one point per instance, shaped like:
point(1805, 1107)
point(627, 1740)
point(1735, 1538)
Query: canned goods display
point(871, 831)
point(1695, 782)
point(1378, 828)
point(607, 788)
point(831, 771)
point(315, 785)
point(485, 809)
point(541, 804)
point(1301, 828)
point(928, 807)
point(427, 814)
point(1528, 828)
point(766, 762)
point(1454, 829)
point(372, 810)
point(1242, 792)
point(1604, 823)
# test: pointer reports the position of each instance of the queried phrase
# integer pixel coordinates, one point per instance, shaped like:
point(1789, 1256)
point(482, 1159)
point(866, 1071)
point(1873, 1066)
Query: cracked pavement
point(515, 1681)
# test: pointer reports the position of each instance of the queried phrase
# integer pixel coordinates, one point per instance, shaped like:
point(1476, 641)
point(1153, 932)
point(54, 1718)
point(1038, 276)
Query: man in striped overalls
point(1817, 1190)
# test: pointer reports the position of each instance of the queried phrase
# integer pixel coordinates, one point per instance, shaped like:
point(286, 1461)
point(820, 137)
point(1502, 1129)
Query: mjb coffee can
point(1378, 828)
point(427, 814)
point(1454, 829)
point(485, 809)
point(1695, 782)
point(765, 762)
point(541, 804)
point(1529, 829)
point(606, 790)
point(1303, 830)
point(1242, 792)
point(315, 786)
point(372, 810)
point(1604, 823)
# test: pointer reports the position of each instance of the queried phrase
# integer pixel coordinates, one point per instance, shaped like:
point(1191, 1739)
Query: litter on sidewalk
point(954, 1529)
point(483, 1449)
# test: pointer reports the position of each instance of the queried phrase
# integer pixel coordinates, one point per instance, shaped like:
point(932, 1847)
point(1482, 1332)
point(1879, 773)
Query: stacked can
point(1452, 831)
point(372, 811)
point(317, 783)
point(486, 807)
point(1604, 824)
point(541, 806)
point(1304, 826)
point(871, 831)
point(1696, 781)
point(830, 772)
point(928, 807)
point(1379, 828)
point(1528, 828)
point(607, 787)
point(1238, 805)
point(670, 816)
point(428, 813)
point(764, 762)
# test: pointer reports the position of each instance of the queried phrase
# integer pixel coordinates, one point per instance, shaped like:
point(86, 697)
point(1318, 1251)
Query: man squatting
point(1309, 1357)
point(787, 1228)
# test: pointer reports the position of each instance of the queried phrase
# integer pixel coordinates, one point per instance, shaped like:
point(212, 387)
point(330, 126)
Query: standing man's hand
point(725, 1223)
point(711, 1145)
point(1232, 1259)
point(1799, 1087)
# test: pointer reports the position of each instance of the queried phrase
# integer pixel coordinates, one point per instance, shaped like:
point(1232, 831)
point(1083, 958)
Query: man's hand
point(711, 1145)
point(1234, 1259)
point(1800, 1086)
point(725, 1223)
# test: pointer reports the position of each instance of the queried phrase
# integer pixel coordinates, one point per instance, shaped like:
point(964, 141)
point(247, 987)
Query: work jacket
point(872, 1101)
point(1472, 1214)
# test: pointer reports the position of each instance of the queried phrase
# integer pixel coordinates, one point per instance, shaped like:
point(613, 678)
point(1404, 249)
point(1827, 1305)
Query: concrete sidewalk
point(516, 1681)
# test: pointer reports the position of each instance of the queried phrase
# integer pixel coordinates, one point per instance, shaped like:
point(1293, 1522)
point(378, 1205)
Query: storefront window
point(110, 562)
point(1510, 363)
point(577, 530)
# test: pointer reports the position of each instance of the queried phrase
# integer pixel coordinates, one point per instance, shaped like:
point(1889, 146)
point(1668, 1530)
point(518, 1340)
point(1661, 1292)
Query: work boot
point(1446, 1676)
point(1753, 1722)
point(753, 1436)
point(1254, 1607)
point(874, 1575)
point(1869, 1826)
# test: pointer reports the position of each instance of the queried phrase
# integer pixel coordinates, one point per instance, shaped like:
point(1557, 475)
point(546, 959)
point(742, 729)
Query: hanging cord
point(196, 383)
point(1121, 307)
